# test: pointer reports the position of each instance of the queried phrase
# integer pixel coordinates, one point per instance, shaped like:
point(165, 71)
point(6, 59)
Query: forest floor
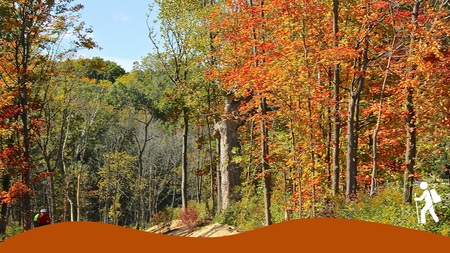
point(210, 230)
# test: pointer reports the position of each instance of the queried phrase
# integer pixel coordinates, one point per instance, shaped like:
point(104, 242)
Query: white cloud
point(122, 17)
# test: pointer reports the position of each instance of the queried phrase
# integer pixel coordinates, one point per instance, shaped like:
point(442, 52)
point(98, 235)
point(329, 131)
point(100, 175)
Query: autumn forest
point(248, 112)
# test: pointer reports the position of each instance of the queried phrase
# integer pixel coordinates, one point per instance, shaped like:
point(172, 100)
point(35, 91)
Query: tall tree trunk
point(63, 134)
point(336, 117)
point(218, 178)
point(150, 198)
point(78, 195)
point(410, 155)
point(351, 156)
point(356, 145)
point(140, 207)
point(227, 135)
point(53, 215)
point(299, 175)
point(174, 191)
point(328, 155)
point(373, 184)
point(312, 154)
point(26, 214)
point(226, 130)
point(47, 158)
point(211, 170)
point(115, 205)
point(199, 168)
point(184, 160)
point(81, 150)
point(250, 159)
point(71, 208)
point(47, 155)
point(354, 96)
point(65, 172)
point(264, 133)
point(408, 177)
point(141, 149)
point(265, 164)
point(25, 48)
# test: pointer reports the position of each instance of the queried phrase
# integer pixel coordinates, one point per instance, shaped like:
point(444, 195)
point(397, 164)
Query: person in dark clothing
point(43, 219)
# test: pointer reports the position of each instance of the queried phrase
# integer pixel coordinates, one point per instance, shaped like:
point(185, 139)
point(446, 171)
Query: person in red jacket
point(43, 219)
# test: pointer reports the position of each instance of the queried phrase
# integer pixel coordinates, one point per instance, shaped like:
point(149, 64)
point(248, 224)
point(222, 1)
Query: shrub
point(176, 212)
point(252, 215)
point(386, 207)
point(163, 218)
point(228, 216)
point(190, 218)
point(204, 213)
point(247, 214)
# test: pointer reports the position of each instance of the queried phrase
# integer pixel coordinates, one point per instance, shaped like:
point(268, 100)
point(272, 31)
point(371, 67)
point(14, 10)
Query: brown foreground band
point(305, 235)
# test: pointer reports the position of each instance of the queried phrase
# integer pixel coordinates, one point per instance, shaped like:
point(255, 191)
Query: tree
point(226, 132)
point(116, 175)
point(99, 69)
point(30, 32)
point(178, 23)
point(411, 142)
point(336, 117)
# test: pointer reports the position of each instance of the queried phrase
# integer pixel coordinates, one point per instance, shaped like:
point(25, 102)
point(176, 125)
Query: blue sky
point(120, 29)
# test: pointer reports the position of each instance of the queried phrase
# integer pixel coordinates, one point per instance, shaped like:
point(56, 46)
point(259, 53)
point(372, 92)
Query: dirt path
point(211, 230)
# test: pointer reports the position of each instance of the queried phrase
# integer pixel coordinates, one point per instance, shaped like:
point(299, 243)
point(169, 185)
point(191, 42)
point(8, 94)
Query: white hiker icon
point(430, 197)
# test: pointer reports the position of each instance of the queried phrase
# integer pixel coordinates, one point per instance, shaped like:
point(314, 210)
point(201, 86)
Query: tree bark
point(299, 172)
point(265, 164)
point(373, 184)
point(218, 178)
point(410, 158)
point(354, 96)
point(312, 154)
point(351, 156)
point(141, 150)
point(26, 200)
point(53, 215)
point(337, 121)
point(328, 155)
point(410, 155)
point(226, 133)
point(211, 170)
point(184, 160)
point(78, 196)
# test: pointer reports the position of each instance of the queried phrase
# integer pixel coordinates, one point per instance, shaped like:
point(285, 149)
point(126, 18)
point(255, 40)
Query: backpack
point(434, 196)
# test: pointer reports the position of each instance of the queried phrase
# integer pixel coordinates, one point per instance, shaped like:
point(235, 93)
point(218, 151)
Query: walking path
point(212, 230)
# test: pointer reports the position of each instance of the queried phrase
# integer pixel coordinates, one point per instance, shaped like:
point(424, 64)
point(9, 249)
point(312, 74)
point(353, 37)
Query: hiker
point(35, 221)
point(43, 219)
point(428, 203)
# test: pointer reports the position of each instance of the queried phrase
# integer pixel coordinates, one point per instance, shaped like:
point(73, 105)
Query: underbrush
point(11, 230)
point(194, 216)
point(163, 219)
point(387, 207)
